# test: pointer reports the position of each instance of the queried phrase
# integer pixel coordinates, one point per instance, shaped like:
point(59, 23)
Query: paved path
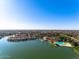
point(71, 37)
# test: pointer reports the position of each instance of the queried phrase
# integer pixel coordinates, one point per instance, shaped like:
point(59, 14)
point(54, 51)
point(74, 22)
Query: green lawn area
point(76, 49)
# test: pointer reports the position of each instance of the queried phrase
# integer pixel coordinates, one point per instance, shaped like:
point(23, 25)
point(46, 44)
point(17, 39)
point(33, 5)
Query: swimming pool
point(59, 43)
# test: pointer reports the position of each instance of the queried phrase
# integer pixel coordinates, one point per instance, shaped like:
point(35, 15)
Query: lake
point(34, 49)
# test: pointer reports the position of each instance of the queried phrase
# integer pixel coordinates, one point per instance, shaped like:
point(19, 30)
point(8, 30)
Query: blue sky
point(39, 14)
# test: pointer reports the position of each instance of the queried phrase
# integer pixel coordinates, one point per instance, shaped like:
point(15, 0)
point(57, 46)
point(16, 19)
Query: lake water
point(34, 49)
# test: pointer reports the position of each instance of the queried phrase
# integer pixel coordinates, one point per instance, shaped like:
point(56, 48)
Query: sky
point(39, 14)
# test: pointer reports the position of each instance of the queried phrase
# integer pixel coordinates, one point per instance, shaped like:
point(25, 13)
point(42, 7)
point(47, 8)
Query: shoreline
point(75, 50)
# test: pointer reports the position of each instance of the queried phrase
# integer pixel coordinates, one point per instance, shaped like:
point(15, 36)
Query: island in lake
point(56, 38)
